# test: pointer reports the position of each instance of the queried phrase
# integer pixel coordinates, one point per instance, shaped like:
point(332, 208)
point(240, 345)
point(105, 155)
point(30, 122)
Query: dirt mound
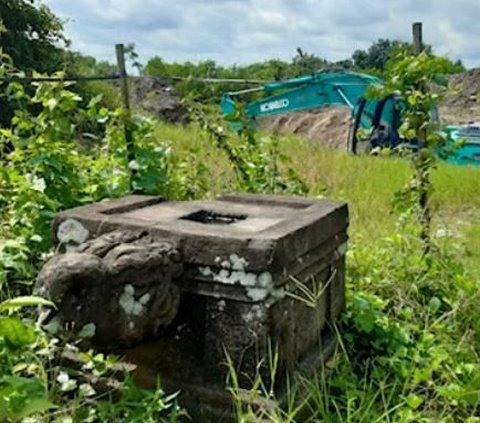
point(328, 125)
point(158, 97)
point(463, 102)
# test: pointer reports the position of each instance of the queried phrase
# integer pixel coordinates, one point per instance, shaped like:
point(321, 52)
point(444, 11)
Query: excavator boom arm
point(311, 91)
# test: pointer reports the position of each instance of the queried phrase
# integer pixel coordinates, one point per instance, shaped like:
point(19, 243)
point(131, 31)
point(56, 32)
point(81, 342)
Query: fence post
point(127, 117)
point(417, 38)
point(423, 177)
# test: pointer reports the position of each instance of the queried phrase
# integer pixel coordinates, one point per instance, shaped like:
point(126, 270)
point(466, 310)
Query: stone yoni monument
point(177, 287)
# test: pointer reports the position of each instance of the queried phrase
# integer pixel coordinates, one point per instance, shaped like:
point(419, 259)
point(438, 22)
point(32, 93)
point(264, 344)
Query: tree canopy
point(375, 58)
point(31, 35)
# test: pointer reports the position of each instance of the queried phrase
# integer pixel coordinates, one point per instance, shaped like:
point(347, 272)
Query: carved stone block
point(242, 276)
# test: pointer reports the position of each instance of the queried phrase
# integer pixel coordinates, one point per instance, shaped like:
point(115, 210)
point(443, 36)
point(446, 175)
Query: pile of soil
point(462, 105)
point(159, 98)
point(329, 125)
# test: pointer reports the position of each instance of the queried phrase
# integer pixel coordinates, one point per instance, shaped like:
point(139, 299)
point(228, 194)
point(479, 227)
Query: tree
point(31, 35)
point(304, 62)
point(378, 54)
point(376, 57)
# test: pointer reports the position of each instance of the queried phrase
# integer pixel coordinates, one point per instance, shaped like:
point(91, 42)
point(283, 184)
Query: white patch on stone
point(70, 232)
point(88, 331)
point(205, 271)
point(340, 251)
point(257, 294)
point(144, 299)
point(128, 303)
point(238, 263)
point(256, 312)
point(137, 309)
point(279, 294)
point(226, 264)
point(221, 305)
point(236, 277)
point(222, 276)
point(264, 288)
point(265, 279)
point(260, 286)
point(131, 325)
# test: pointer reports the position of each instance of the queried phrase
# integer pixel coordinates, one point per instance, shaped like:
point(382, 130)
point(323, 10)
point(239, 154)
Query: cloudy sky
point(243, 31)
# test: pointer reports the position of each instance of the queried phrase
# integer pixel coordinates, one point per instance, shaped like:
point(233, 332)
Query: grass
point(366, 183)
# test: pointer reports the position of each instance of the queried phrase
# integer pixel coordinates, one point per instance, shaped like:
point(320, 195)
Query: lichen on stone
point(72, 233)
point(340, 251)
point(128, 303)
point(237, 262)
point(257, 294)
point(265, 279)
point(205, 271)
point(221, 305)
point(232, 272)
point(144, 299)
point(255, 313)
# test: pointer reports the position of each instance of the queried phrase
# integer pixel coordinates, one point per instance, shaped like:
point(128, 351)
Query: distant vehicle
point(469, 134)
point(375, 122)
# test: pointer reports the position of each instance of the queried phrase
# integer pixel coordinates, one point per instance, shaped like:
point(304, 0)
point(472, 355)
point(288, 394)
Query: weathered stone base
point(260, 276)
point(211, 403)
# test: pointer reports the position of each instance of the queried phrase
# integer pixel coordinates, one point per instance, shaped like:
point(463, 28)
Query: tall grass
point(366, 183)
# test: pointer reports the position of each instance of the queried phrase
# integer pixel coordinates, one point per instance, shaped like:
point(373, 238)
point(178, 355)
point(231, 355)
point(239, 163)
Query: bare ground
point(327, 125)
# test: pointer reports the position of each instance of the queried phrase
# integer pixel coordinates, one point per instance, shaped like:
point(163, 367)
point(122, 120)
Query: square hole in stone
point(214, 218)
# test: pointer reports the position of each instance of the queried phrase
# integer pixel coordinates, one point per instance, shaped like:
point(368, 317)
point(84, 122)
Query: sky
point(245, 31)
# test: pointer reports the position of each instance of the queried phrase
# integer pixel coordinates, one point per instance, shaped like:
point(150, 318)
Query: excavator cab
point(376, 124)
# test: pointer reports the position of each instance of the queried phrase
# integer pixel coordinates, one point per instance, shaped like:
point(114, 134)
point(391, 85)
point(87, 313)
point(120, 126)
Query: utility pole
point(417, 38)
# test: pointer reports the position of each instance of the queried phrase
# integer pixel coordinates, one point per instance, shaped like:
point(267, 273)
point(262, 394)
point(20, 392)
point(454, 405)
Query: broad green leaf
point(21, 397)
point(15, 332)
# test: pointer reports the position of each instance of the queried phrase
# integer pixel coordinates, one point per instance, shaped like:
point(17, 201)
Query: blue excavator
point(375, 122)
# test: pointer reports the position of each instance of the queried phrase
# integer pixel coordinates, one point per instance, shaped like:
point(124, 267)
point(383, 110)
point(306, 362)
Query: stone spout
point(114, 290)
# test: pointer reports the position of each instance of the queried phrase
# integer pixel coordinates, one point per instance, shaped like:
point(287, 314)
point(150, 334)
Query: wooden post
point(127, 118)
point(417, 38)
point(422, 177)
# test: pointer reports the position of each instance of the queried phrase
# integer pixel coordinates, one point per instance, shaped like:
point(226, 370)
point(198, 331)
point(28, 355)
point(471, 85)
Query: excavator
point(375, 122)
